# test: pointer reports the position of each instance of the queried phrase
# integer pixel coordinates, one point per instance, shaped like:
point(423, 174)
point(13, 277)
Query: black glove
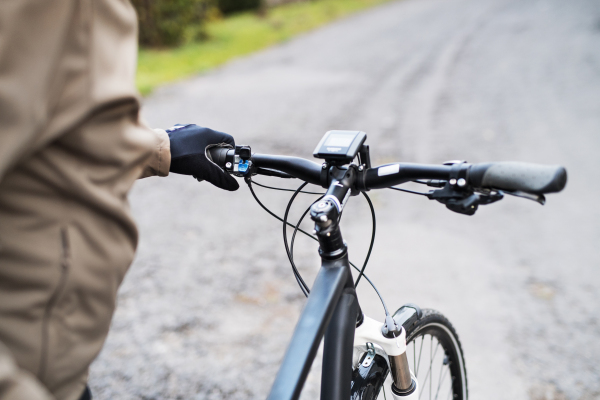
point(189, 145)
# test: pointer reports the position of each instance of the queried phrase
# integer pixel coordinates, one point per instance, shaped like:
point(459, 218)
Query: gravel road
point(209, 305)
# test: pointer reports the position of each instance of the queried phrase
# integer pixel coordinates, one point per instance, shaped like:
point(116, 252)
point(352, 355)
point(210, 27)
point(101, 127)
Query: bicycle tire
point(435, 325)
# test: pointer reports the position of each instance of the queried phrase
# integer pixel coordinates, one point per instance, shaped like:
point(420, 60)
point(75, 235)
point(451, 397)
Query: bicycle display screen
point(340, 146)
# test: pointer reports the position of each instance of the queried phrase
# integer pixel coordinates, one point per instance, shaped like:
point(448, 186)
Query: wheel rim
point(437, 365)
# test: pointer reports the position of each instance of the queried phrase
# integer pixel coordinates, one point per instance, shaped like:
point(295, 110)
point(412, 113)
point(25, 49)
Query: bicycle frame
point(332, 311)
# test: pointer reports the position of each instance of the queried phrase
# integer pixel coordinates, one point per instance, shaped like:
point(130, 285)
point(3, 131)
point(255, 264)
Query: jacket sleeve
point(159, 162)
point(17, 384)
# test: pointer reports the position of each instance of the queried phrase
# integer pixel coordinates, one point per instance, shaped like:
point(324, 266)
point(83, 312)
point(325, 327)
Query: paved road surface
point(210, 303)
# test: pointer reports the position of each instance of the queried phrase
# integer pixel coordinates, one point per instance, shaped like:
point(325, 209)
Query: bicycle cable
point(352, 264)
point(373, 219)
point(299, 279)
point(283, 189)
point(408, 191)
point(289, 249)
point(301, 282)
point(249, 182)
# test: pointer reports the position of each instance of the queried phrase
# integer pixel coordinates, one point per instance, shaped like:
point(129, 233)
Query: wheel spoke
point(451, 391)
point(441, 379)
point(451, 379)
point(430, 364)
point(420, 352)
point(414, 357)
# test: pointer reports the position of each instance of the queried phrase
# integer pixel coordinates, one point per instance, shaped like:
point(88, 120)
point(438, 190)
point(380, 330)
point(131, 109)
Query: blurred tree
point(164, 22)
point(231, 6)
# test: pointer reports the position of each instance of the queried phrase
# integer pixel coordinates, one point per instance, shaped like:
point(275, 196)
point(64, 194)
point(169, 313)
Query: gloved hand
point(189, 145)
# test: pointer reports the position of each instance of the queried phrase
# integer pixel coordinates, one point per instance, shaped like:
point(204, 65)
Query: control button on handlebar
point(243, 167)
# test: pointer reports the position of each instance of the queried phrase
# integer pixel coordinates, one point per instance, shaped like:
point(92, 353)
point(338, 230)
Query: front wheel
point(435, 356)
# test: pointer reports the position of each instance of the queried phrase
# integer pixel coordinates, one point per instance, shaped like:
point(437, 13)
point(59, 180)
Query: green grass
point(239, 35)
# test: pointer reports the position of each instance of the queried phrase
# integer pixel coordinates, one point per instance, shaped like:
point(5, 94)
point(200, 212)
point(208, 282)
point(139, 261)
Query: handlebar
point(509, 176)
point(300, 168)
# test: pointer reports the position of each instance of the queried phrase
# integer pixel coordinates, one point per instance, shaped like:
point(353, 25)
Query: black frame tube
point(333, 282)
point(332, 309)
point(336, 375)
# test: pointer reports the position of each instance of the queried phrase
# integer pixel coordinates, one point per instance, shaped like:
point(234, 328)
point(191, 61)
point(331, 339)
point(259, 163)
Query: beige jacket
point(71, 146)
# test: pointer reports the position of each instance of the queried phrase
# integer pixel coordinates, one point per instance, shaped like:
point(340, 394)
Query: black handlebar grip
point(513, 176)
point(218, 155)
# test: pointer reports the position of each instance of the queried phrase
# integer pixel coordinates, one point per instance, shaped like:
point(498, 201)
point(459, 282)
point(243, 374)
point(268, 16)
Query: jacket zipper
point(64, 272)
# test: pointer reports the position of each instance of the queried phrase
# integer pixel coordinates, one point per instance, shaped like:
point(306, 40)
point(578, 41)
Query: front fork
point(369, 338)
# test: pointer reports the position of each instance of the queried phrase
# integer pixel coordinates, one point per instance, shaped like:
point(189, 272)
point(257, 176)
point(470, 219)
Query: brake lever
point(538, 198)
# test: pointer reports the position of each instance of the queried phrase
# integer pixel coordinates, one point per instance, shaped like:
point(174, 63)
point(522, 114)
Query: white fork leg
point(395, 348)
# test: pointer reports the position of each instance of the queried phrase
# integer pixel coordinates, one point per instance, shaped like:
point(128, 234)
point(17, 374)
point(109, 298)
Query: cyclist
point(71, 146)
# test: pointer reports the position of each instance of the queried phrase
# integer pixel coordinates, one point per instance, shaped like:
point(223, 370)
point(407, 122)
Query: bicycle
point(359, 352)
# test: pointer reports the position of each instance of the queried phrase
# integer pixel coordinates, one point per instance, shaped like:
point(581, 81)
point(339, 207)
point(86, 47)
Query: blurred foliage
point(238, 35)
point(165, 23)
point(232, 6)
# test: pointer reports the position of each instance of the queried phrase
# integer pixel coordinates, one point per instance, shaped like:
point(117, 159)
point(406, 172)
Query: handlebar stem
point(326, 217)
point(327, 211)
